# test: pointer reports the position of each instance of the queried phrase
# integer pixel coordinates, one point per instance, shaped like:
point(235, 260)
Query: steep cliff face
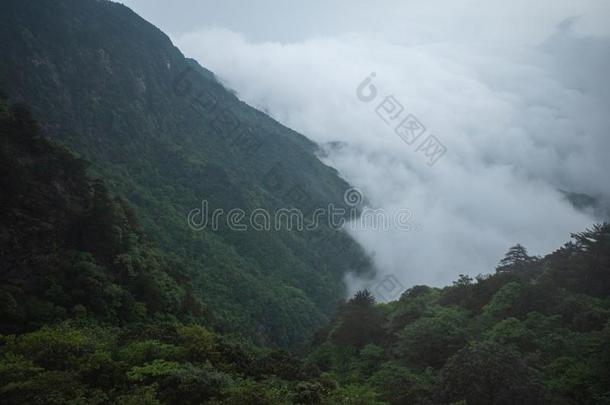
point(167, 135)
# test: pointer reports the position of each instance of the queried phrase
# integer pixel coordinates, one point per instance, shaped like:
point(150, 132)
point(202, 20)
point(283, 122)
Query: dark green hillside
point(166, 135)
point(112, 138)
point(68, 248)
point(92, 312)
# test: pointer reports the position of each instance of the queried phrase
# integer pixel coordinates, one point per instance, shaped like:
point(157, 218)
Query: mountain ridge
point(117, 92)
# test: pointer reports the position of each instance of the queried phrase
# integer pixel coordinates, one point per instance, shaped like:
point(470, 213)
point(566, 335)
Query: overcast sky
point(517, 92)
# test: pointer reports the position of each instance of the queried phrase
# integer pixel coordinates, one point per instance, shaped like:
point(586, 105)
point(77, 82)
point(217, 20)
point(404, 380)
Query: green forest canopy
point(92, 312)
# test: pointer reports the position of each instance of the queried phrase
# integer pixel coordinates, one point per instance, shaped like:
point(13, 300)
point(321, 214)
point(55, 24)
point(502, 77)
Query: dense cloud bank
point(517, 94)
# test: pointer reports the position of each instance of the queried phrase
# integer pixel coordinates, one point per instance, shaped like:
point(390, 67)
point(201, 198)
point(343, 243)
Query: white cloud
point(517, 123)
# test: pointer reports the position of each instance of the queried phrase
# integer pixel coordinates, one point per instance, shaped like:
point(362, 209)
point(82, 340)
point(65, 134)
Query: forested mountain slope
point(92, 312)
point(537, 331)
point(68, 248)
point(166, 135)
point(107, 295)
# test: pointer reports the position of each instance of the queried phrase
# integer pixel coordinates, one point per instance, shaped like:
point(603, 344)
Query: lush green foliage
point(80, 362)
point(96, 308)
point(92, 312)
point(68, 248)
point(165, 134)
point(74, 258)
point(537, 331)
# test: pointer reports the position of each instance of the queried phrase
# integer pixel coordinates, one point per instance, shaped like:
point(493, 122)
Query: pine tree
point(359, 322)
point(515, 259)
point(593, 260)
